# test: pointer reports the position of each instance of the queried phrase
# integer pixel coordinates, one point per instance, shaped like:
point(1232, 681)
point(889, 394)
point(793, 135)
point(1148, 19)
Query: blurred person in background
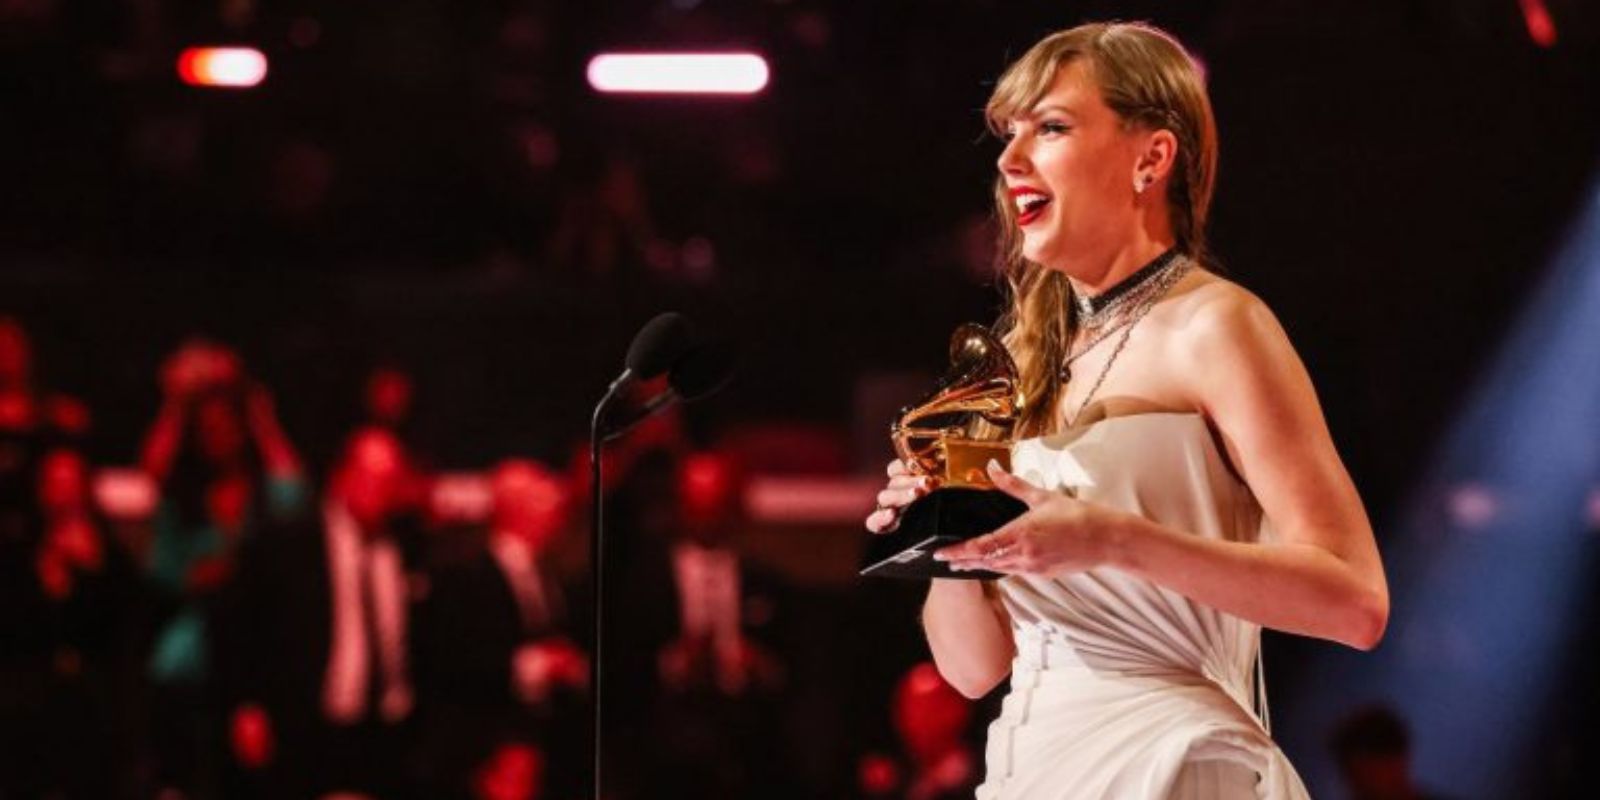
point(388, 402)
point(1373, 750)
point(935, 760)
point(711, 649)
point(68, 641)
point(689, 618)
point(224, 468)
point(314, 636)
point(387, 397)
point(496, 647)
point(514, 771)
point(32, 420)
point(607, 228)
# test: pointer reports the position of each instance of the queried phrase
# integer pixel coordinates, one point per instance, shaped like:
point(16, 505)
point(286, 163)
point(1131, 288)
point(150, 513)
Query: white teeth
point(1029, 201)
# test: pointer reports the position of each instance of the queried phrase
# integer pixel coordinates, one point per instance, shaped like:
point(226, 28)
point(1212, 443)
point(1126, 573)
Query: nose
point(1013, 160)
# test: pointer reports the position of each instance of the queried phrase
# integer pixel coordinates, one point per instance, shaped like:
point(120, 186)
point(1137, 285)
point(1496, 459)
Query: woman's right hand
point(903, 487)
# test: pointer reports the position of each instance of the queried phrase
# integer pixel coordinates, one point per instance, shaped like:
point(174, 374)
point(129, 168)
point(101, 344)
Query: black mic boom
point(659, 344)
point(701, 372)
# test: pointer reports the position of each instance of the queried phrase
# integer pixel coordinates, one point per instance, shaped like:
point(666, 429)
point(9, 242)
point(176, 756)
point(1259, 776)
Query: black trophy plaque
point(941, 518)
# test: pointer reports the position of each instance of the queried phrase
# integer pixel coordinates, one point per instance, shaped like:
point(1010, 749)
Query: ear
point(1157, 157)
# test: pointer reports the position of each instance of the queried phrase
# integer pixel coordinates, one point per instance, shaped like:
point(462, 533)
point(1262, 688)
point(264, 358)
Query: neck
point(1118, 263)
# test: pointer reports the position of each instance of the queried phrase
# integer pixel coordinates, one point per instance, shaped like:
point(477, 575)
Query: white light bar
point(227, 67)
point(678, 73)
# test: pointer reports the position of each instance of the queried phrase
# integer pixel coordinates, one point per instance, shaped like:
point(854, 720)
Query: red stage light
point(707, 485)
point(679, 73)
point(229, 67)
point(1541, 26)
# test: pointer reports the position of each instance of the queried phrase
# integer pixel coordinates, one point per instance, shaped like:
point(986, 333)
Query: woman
point(1183, 489)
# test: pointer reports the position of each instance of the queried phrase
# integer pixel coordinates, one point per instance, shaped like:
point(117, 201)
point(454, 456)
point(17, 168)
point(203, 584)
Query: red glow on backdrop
point(224, 67)
point(708, 485)
point(1541, 26)
point(679, 73)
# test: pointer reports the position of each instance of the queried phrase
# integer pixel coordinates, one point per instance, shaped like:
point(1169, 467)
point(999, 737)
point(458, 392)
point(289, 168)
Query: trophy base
point(940, 519)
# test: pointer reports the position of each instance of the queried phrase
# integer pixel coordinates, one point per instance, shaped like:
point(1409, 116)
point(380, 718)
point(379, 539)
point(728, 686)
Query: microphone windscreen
point(659, 344)
point(702, 371)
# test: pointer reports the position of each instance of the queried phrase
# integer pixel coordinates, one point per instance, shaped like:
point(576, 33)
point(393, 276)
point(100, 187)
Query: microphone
point(655, 348)
point(659, 344)
point(701, 372)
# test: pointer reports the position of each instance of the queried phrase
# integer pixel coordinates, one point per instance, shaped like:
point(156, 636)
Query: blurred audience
point(711, 649)
point(935, 760)
point(388, 402)
point(496, 647)
point(199, 627)
point(31, 420)
point(514, 771)
point(68, 632)
point(225, 469)
point(607, 227)
point(1373, 750)
point(314, 641)
point(387, 397)
point(689, 619)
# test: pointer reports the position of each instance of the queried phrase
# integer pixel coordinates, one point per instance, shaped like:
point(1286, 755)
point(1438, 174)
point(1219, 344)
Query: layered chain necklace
point(1093, 312)
point(1127, 303)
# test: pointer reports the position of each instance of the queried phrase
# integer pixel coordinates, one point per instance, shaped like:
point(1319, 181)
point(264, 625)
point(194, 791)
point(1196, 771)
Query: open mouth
point(1029, 206)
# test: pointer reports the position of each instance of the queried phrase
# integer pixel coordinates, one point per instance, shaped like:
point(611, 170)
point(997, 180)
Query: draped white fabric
point(1122, 689)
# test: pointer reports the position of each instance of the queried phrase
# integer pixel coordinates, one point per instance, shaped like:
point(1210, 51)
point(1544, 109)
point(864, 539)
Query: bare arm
point(968, 632)
point(161, 443)
point(277, 452)
point(969, 635)
point(1322, 575)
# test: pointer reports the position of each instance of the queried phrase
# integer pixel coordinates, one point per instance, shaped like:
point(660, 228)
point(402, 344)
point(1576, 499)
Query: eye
point(1008, 134)
point(1054, 126)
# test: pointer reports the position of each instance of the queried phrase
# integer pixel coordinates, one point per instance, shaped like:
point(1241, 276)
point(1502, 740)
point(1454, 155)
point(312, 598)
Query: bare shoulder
point(1223, 337)
point(1210, 306)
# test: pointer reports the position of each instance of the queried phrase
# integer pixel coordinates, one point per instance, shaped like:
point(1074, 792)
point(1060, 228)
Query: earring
point(1141, 183)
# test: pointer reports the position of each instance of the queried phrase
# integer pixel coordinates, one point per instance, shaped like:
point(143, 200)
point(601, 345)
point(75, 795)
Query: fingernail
point(994, 465)
point(940, 557)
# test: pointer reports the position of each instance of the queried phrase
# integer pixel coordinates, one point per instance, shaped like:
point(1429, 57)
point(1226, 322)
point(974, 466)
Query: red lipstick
point(1034, 208)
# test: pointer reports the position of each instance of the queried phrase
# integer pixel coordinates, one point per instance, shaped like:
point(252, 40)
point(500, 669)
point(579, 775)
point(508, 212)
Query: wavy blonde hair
point(1150, 82)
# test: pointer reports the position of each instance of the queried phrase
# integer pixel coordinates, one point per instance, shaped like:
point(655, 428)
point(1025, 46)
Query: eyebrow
point(1040, 110)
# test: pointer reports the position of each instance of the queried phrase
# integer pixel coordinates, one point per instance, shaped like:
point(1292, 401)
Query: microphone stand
point(598, 436)
point(596, 564)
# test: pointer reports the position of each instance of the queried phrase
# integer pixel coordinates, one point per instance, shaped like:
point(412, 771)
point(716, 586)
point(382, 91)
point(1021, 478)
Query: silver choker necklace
point(1096, 311)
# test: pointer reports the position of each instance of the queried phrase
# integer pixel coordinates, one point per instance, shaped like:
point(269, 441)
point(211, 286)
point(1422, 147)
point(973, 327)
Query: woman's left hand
point(1056, 535)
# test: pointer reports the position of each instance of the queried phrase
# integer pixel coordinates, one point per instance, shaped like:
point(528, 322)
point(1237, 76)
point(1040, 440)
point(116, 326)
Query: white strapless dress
point(1121, 689)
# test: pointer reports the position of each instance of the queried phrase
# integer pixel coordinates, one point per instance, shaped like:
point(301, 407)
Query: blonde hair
point(1150, 82)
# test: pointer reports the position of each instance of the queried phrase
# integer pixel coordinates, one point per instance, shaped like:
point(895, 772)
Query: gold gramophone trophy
point(935, 437)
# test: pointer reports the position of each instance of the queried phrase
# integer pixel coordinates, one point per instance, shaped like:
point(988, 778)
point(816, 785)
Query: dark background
point(1395, 177)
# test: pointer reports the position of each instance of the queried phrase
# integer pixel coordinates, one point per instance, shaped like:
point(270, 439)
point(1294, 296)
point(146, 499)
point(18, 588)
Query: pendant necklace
point(1147, 300)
